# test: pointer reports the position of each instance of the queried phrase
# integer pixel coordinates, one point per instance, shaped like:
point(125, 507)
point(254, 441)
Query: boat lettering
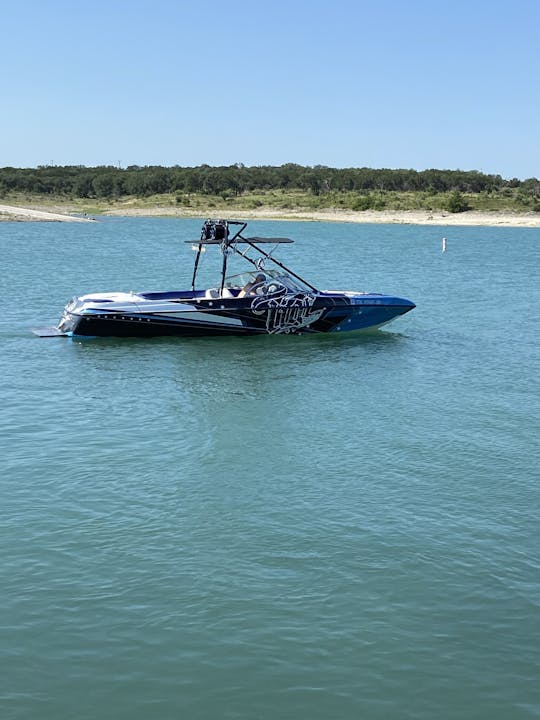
point(286, 313)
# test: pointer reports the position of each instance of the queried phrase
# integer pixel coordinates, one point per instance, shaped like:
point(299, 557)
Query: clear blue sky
point(347, 83)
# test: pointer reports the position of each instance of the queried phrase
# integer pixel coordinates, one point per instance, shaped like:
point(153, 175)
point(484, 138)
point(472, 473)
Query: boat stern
point(81, 310)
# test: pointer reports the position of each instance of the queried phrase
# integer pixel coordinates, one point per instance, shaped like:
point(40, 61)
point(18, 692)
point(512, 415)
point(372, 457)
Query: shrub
point(457, 203)
point(363, 202)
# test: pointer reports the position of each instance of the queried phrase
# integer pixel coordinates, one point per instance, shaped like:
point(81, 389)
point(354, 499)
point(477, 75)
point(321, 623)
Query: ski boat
point(268, 299)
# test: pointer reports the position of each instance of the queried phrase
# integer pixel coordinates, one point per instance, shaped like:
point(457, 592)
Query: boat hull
point(152, 316)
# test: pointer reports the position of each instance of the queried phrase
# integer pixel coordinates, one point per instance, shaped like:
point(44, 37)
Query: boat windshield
point(270, 277)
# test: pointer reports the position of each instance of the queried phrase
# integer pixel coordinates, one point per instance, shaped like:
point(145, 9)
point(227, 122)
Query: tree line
point(114, 182)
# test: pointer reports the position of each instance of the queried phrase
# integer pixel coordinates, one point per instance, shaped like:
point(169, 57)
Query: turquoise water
point(273, 527)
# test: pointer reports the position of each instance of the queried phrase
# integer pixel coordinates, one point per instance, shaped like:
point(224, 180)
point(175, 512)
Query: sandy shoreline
point(405, 217)
point(21, 214)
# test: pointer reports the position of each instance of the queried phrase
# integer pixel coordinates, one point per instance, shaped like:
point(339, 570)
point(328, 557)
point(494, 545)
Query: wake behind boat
point(268, 299)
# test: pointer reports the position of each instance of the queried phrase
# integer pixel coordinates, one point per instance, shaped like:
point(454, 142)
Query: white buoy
point(444, 244)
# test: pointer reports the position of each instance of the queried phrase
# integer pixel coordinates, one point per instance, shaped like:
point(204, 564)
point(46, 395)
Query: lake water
point(331, 527)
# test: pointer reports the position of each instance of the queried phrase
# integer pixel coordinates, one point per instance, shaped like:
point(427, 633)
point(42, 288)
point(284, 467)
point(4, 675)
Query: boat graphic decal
point(286, 313)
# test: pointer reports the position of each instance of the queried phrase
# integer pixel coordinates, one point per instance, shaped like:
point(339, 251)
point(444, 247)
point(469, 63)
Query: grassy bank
point(508, 200)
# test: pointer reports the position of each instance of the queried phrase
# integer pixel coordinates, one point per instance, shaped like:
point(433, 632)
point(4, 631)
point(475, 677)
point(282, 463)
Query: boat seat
point(213, 294)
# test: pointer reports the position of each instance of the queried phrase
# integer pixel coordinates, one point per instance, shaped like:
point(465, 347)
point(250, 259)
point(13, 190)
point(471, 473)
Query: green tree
point(103, 185)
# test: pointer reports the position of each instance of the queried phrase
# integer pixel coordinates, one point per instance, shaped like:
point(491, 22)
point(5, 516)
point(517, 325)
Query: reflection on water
point(233, 365)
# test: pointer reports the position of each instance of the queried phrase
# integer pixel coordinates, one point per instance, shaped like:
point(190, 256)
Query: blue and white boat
point(268, 299)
